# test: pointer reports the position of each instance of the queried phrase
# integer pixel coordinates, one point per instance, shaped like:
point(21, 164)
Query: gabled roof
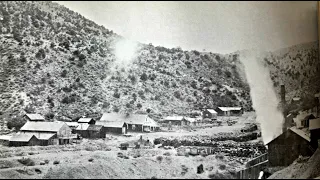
point(297, 131)
point(39, 135)
point(174, 118)
point(21, 137)
point(94, 127)
point(230, 108)
point(83, 126)
point(191, 119)
point(42, 126)
point(74, 124)
point(309, 116)
point(35, 117)
point(84, 120)
point(212, 111)
point(141, 119)
point(5, 137)
point(114, 124)
point(314, 124)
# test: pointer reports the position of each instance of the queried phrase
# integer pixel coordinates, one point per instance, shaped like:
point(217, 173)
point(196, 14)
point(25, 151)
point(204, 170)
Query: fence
point(252, 172)
point(254, 167)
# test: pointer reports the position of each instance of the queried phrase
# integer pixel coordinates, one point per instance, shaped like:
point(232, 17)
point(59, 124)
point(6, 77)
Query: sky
point(216, 26)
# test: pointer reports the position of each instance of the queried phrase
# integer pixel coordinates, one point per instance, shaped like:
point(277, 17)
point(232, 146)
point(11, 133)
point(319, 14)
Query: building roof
point(114, 124)
point(301, 133)
point(94, 127)
point(296, 99)
point(84, 120)
point(314, 124)
point(5, 137)
point(74, 124)
point(308, 117)
point(83, 126)
point(35, 117)
point(39, 135)
point(212, 111)
point(42, 126)
point(173, 118)
point(141, 119)
point(191, 119)
point(230, 108)
point(21, 137)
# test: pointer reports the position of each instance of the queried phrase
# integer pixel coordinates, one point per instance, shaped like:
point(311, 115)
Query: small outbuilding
point(87, 120)
point(113, 127)
point(176, 120)
point(33, 117)
point(229, 111)
point(23, 140)
point(209, 113)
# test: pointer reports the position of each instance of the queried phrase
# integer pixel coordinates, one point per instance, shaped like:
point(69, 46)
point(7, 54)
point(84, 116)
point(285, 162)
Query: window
point(133, 127)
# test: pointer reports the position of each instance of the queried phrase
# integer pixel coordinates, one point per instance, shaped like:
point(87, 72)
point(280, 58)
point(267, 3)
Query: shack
point(176, 120)
point(23, 140)
point(44, 139)
point(113, 127)
point(287, 147)
point(89, 131)
point(209, 113)
point(306, 120)
point(229, 111)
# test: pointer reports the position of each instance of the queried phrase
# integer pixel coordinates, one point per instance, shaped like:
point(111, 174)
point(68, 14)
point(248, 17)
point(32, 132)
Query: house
point(314, 128)
point(176, 120)
point(23, 140)
point(33, 117)
point(229, 111)
point(210, 114)
point(61, 129)
point(287, 147)
point(87, 120)
point(90, 130)
point(113, 127)
point(134, 122)
point(72, 125)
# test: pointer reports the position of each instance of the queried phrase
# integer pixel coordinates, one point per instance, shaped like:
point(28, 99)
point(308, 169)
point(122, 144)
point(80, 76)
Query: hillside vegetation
point(60, 64)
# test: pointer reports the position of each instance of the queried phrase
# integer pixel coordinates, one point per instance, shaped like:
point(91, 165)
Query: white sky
point(216, 26)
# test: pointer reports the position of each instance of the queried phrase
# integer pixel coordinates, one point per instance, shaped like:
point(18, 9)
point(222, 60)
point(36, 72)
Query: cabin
point(314, 128)
point(210, 114)
point(23, 140)
point(87, 120)
point(72, 125)
point(90, 131)
point(176, 120)
point(293, 140)
point(134, 122)
point(113, 127)
point(62, 131)
point(229, 111)
point(33, 117)
point(44, 139)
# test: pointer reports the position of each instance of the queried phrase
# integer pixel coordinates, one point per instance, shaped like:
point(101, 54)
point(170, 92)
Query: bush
point(90, 160)
point(26, 161)
point(64, 73)
point(166, 154)
point(144, 77)
point(222, 166)
point(46, 161)
point(177, 94)
point(56, 162)
point(17, 123)
point(159, 158)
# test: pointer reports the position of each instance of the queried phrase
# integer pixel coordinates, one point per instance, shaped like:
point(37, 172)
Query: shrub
point(90, 160)
point(56, 162)
point(17, 123)
point(144, 77)
point(46, 161)
point(166, 154)
point(41, 54)
point(26, 161)
point(222, 166)
point(159, 158)
point(116, 95)
point(139, 105)
point(64, 73)
point(177, 94)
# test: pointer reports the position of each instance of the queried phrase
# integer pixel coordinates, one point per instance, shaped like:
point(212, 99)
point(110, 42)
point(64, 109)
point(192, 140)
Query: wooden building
point(44, 138)
point(176, 120)
point(87, 120)
point(229, 111)
point(210, 114)
point(90, 131)
point(33, 117)
point(134, 122)
point(113, 127)
point(306, 120)
point(23, 140)
point(287, 147)
point(62, 131)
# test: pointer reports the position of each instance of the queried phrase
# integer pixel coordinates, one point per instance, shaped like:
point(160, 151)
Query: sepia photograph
point(159, 90)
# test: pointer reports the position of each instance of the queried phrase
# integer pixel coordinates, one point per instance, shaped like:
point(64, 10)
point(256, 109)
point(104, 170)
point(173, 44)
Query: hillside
point(56, 62)
point(60, 64)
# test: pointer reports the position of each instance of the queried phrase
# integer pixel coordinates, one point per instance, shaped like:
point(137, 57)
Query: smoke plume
point(263, 95)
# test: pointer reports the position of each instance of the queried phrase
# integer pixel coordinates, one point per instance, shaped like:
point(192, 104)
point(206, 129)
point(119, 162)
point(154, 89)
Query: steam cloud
point(263, 95)
point(125, 52)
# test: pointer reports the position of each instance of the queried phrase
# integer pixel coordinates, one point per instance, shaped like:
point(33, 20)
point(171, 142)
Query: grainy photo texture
point(159, 90)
